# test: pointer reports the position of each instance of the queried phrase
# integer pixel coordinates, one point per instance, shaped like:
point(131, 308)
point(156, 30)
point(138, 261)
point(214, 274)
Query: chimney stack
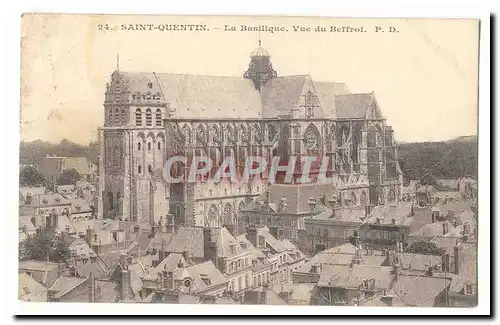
point(387, 299)
point(210, 246)
point(252, 235)
point(92, 288)
point(312, 204)
point(445, 227)
point(456, 258)
point(445, 263)
point(125, 290)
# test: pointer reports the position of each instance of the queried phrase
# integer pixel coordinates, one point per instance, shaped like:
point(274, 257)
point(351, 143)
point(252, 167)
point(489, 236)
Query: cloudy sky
point(424, 76)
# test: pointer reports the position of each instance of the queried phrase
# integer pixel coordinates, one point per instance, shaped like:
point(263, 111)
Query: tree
point(30, 176)
point(426, 248)
point(69, 177)
point(45, 245)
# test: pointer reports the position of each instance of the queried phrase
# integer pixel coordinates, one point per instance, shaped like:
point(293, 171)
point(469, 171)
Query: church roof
point(193, 96)
point(281, 94)
point(352, 105)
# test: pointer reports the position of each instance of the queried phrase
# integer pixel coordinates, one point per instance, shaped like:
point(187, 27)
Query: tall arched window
point(149, 146)
point(159, 145)
point(158, 117)
point(138, 117)
point(150, 169)
point(139, 169)
point(138, 146)
point(149, 118)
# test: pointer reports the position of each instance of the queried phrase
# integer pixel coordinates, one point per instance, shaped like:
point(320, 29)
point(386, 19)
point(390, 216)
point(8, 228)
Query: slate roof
point(351, 106)
point(345, 276)
point(47, 200)
point(249, 246)
point(327, 92)
point(342, 255)
point(65, 189)
point(298, 292)
point(29, 287)
point(187, 239)
point(378, 301)
point(193, 96)
point(345, 214)
point(44, 272)
point(431, 230)
point(420, 262)
point(79, 206)
point(205, 269)
point(297, 196)
point(419, 291)
point(64, 284)
point(400, 212)
point(281, 94)
point(25, 221)
point(467, 270)
point(169, 263)
point(24, 191)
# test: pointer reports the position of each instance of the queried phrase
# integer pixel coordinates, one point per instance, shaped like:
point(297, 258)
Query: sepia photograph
point(249, 160)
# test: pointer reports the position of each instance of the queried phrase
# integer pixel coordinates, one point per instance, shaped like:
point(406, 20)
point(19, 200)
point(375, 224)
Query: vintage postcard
point(249, 160)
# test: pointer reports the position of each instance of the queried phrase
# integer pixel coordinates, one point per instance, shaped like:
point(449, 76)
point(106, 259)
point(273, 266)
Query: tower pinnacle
point(260, 69)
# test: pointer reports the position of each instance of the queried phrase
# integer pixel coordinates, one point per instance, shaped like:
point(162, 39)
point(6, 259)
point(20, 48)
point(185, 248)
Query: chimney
point(232, 229)
point(209, 246)
point(368, 210)
point(125, 292)
point(185, 254)
point(274, 231)
point(312, 204)
point(412, 211)
point(445, 263)
point(430, 271)
point(445, 228)
point(268, 196)
point(283, 205)
point(456, 259)
point(263, 299)
point(387, 299)
point(285, 295)
point(389, 257)
point(170, 223)
point(319, 248)
point(393, 221)
point(316, 268)
point(92, 288)
point(88, 236)
point(252, 235)
point(395, 271)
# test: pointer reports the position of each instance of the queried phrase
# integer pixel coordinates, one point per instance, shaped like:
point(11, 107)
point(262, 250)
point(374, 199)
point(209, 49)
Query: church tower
point(260, 69)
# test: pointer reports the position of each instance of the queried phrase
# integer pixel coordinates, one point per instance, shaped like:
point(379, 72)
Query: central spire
point(260, 69)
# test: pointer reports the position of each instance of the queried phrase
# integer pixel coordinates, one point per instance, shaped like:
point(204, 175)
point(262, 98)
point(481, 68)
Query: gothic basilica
point(151, 116)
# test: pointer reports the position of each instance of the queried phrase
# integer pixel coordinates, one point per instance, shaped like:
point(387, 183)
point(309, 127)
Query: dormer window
point(205, 279)
point(57, 200)
point(44, 201)
point(469, 289)
point(150, 85)
point(78, 208)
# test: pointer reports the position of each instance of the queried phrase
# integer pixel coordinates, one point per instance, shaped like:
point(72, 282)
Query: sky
point(424, 76)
